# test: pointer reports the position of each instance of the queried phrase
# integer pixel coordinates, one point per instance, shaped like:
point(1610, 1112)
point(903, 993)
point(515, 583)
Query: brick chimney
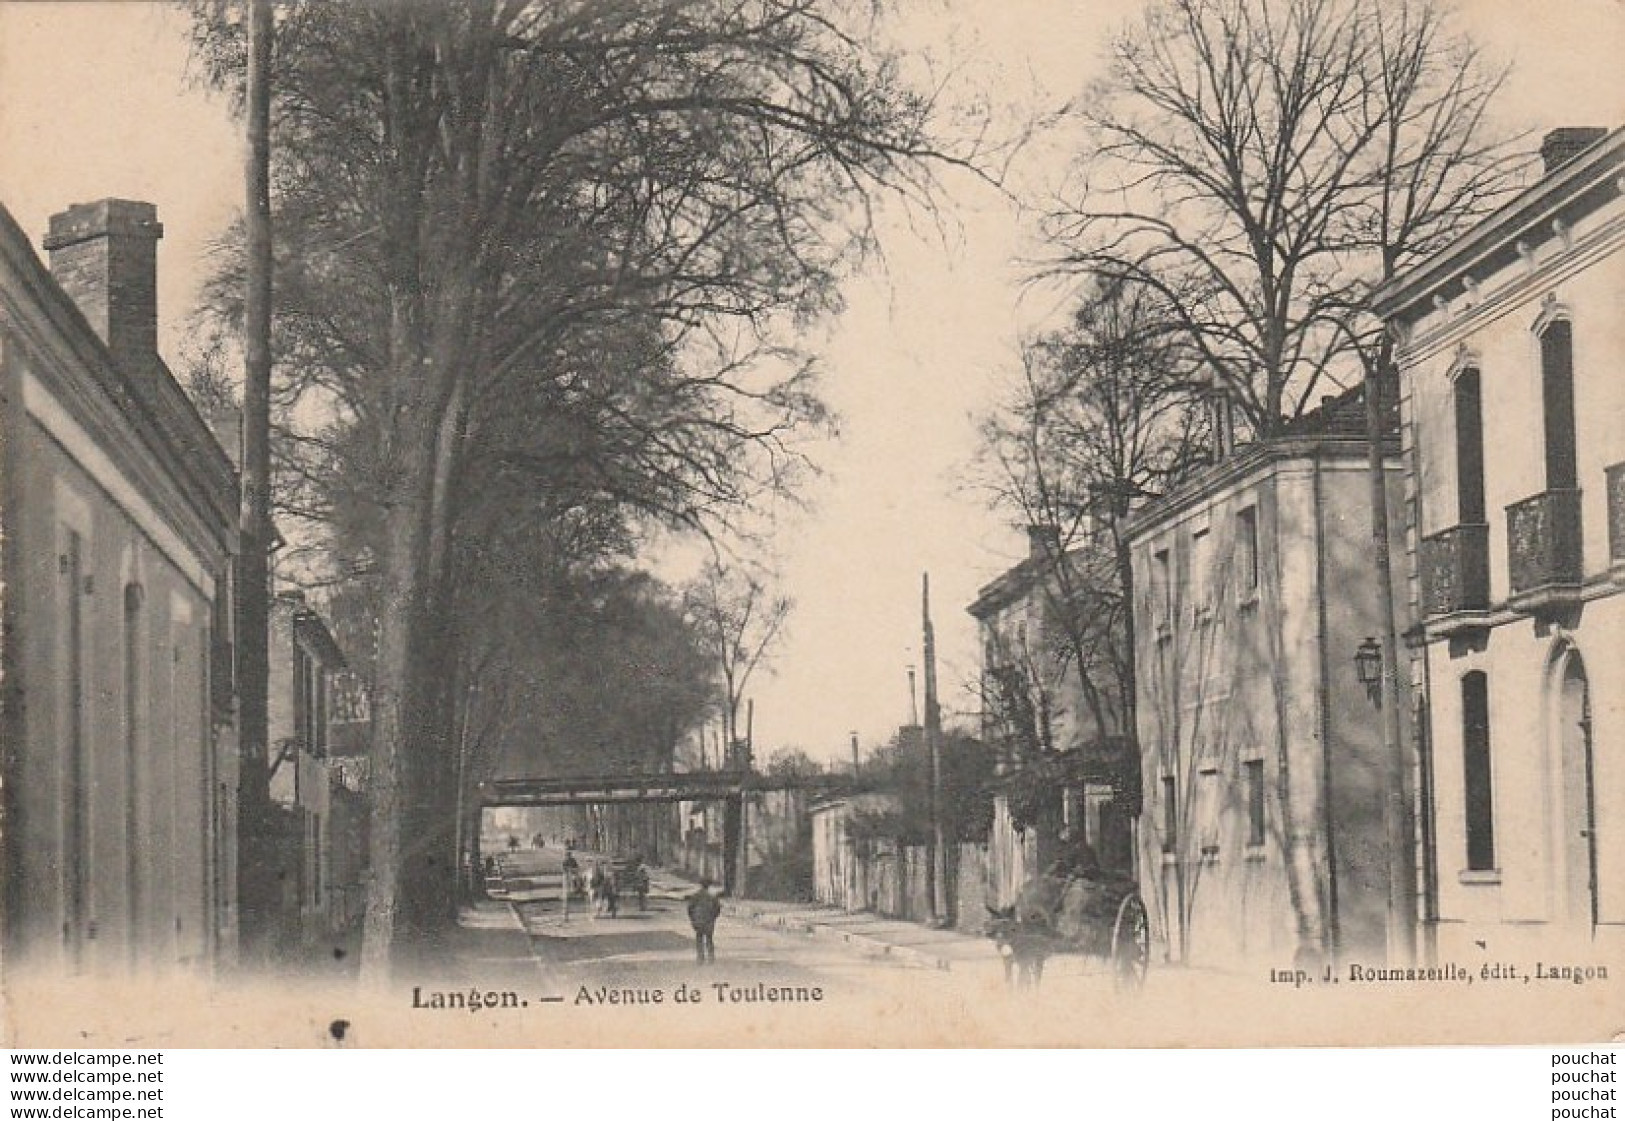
point(1562, 144)
point(1043, 542)
point(1221, 423)
point(105, 256)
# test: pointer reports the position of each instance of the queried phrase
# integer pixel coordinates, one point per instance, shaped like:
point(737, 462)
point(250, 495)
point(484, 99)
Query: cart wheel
point(1131, 943)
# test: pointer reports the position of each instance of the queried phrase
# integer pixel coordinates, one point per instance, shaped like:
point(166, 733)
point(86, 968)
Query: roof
point(159, 413)
point(1336, 429)
point(311, 630)
point(1574, 189)
point(1016, 582)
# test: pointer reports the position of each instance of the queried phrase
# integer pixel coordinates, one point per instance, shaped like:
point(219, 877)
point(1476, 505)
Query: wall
point(149, 820)
point(1248, 680)
point(1535, 900)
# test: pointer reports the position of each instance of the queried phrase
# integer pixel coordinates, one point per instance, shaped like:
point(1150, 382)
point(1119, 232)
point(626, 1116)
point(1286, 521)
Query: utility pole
point(1401, 924)
point(933, 742)
point(854, 754)
point(256, 855)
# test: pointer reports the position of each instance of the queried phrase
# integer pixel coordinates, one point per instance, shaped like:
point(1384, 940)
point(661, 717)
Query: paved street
point(656, 946)
point(876, 979)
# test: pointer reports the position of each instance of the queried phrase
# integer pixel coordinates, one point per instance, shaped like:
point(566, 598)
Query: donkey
point(1023, 947)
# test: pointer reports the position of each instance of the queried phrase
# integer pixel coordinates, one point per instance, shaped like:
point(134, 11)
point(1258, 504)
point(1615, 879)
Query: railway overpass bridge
point(730, 787)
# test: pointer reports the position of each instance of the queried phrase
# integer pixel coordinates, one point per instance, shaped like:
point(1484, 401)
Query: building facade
point(1262, 836)
point(1514, 432)
point(304, 660)
point(116, 524)
point(1052, 728)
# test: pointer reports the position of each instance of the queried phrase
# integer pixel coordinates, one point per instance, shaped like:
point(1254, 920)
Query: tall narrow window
point(1557, 393)
point(1475, 740)
point(1247, 551)
point(320, 688)
point(222, 655)
point(1255, 801)
point(1206, 813)
point(76, 827)
point(316, 859)
point(134, 696)
point(207, 807)
point(1201, 560)
point(1170, 813)
point(1162, 587)
point(1469, 450)
point(301, 698)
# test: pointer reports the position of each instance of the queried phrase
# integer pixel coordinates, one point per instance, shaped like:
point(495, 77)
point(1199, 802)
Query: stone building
point(1043, 719)
point(116, 527)
point(1262, 836)
point(304, 658)
point(1514, 452)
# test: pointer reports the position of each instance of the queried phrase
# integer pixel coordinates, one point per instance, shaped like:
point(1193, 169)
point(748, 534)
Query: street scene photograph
point(811, 523)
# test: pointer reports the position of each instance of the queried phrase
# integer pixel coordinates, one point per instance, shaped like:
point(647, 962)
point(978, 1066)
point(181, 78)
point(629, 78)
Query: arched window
point(1557, 395)
point(1475, 749)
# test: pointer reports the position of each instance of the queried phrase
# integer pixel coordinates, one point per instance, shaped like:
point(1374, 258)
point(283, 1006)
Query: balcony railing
point(1456, 570)
point(1543, 543)
point(1616, 514)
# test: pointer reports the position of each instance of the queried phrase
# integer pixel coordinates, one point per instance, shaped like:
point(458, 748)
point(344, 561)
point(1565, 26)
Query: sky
point(95, 101)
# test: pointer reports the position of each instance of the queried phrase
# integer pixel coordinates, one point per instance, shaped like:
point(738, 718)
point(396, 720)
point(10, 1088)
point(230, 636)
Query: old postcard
point(802, 523)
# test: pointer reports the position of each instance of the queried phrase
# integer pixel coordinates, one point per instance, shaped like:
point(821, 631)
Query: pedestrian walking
point(703, 909)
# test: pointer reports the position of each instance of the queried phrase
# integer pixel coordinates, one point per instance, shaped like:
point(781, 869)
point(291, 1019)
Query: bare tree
point(1100, 422)
point(471, 196)
point(1263, 164)
point(737, 620)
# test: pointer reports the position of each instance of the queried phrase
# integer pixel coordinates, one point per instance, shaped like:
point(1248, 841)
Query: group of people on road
point(603, 883)
point(702, 906)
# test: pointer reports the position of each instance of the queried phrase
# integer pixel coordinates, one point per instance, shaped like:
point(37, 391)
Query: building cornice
point(1423, 344)
point(1256, 459)
point(1543, 211)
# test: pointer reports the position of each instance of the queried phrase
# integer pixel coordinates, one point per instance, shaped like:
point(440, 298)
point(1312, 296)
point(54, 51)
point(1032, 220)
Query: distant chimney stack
point(105, 256)
point(1221, 424)
point(1563, 144)
point(1043, 542)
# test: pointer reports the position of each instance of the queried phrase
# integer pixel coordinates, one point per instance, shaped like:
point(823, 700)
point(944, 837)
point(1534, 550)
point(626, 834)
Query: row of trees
point(1253, 171)
point(532, 265)
point(536, 264)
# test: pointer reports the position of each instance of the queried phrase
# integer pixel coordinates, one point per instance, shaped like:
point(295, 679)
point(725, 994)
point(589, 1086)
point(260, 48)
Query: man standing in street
point(703, 909)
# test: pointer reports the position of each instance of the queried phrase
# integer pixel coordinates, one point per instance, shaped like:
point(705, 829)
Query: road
point(841, 994)
point(656, 946)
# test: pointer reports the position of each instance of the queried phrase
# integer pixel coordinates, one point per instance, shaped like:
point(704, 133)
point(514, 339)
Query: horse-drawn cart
point(1097, 917)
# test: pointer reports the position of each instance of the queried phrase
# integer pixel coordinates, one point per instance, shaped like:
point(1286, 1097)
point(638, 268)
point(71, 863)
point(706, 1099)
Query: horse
point(601, 892)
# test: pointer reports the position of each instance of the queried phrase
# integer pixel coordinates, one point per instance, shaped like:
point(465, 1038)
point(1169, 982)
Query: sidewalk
point(866, 933)
point(489, 946)
point(492, 939)
point(872, 934)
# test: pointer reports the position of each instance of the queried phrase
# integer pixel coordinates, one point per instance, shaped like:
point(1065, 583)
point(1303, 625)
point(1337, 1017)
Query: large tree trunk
point(257, 848)
point(389, 779)
point(430, 884)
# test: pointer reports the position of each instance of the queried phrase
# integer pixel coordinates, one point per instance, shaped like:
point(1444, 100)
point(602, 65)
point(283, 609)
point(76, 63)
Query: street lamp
point(1368, 668)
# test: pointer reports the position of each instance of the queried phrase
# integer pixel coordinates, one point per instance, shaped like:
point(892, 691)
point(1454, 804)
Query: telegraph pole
point(933, 742)
point(255, 854)
point(1401, 925)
